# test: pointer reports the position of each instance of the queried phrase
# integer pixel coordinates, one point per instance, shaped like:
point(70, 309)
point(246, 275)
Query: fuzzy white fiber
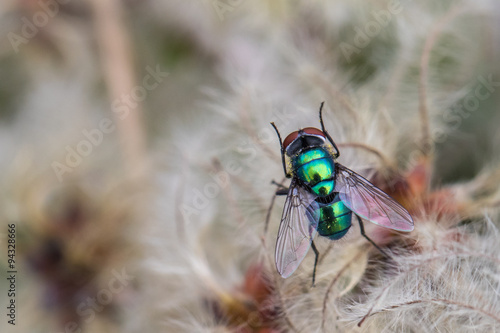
point(192, 231)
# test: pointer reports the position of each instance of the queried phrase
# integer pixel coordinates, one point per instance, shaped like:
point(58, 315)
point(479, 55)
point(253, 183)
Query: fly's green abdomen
point(334, 219)
point(316, 168)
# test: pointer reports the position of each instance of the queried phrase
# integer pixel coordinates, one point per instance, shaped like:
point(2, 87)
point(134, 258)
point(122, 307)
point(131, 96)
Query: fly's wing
point(297, 229)
point(370, 202)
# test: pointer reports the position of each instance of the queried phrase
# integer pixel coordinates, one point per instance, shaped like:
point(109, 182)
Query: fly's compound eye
point(289, 139)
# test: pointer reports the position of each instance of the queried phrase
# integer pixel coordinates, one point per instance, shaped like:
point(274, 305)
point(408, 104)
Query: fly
point(322, 197)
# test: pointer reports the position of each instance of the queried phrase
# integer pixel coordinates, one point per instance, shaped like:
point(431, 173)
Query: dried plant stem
point(117, 65)
point(424, 73)
point(385, 161)
point(479, 255)
point(440, 301)
point(179, 219)
point(330, 286)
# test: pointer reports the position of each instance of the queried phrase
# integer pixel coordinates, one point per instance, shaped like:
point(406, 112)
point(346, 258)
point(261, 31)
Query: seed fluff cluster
point(180, 199)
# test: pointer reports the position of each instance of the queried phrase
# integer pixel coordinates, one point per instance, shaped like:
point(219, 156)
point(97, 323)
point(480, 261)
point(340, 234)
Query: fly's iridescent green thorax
point(315, 167)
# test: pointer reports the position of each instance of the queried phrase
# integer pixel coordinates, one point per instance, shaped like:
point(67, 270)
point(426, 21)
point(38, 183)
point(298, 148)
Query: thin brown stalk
point(330, 286)
point(480, 255)
point(384, 159)
point(440, 301)
point(179, 219)
point(117, 65)
point(424, 73)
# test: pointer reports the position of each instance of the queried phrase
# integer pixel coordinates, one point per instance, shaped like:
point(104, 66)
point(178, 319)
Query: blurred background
point(136, 152)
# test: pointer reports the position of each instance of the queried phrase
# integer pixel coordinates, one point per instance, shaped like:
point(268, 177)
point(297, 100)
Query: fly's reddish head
point(308, 130)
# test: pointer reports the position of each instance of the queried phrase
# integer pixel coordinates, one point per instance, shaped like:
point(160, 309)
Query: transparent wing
point(297, 229)
point(370, 202)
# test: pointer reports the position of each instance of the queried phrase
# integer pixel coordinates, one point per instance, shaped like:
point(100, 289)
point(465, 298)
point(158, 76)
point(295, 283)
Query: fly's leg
point(337, 154)
point(282, 151)
point(362, 228)
point(282, 190)
point(316, 254)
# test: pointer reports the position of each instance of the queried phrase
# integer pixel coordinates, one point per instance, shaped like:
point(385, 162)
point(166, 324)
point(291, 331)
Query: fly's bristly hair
point(409, 90)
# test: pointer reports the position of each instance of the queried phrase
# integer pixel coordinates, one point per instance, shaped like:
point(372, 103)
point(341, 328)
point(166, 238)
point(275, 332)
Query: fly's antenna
point(321, 116)
point(282, 150)
point(321, 111)
point(337, 154)
point(277, 132)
